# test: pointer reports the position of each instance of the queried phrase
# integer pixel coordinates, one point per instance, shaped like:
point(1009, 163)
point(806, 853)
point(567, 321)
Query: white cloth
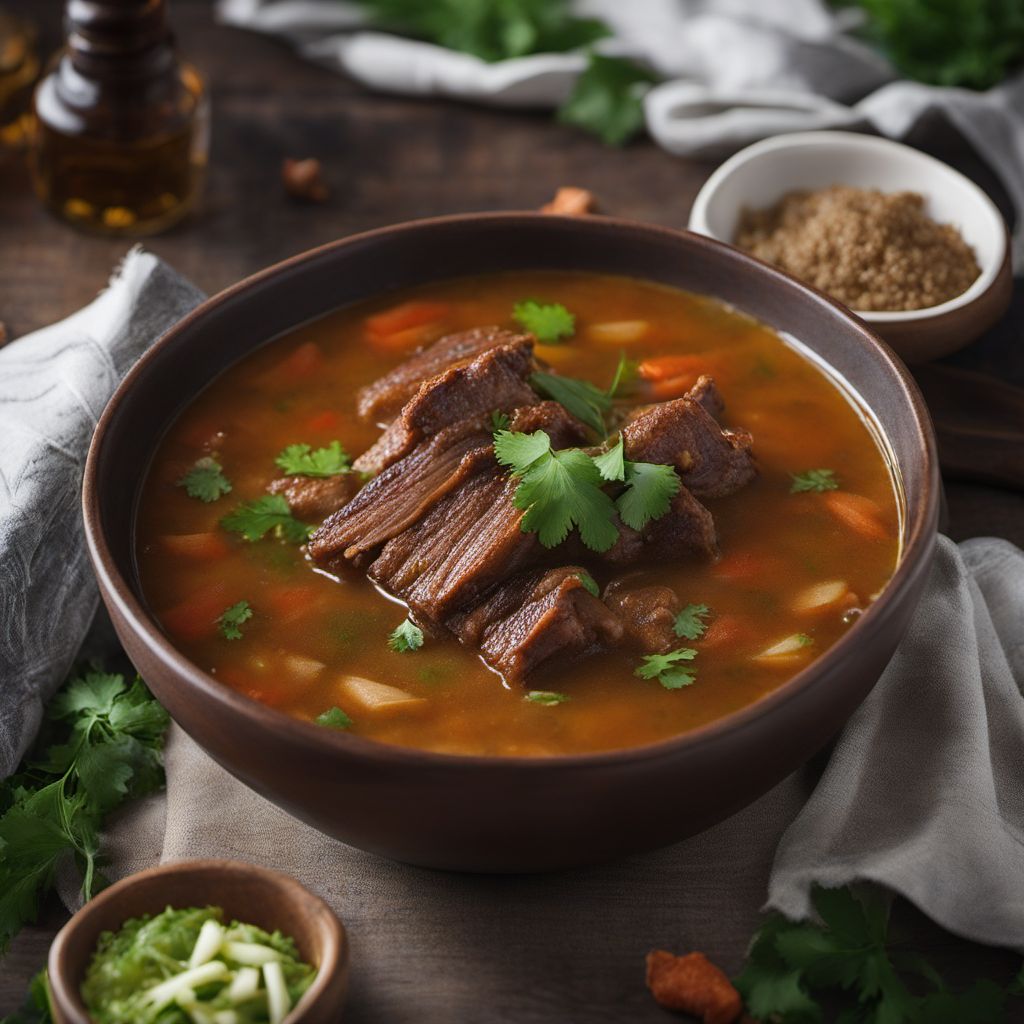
point(736, 71)
point(54, 384)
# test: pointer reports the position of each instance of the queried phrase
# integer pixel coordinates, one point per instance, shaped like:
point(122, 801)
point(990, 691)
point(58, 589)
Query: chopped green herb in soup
point(520, 514)
point(188, 967)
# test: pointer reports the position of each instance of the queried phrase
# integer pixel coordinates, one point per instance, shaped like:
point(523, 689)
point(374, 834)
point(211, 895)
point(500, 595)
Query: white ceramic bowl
point(761, 174)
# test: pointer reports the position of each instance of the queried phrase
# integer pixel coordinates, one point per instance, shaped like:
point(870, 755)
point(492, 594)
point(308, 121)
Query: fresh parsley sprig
point(302, 460)
point(649, 489)
point(100, 745)
point(818, 480)
point(689, 623)
point(205, 480)
point(548, 322)
point(231, 620)
point(270, 513)
point(667, 670)
point(608, 99)
point(406, 637)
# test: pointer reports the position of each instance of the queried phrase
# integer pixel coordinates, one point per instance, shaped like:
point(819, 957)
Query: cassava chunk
point(693, 984)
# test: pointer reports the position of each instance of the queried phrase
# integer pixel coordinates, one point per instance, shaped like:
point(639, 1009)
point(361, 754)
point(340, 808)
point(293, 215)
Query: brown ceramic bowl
point(245, 892)
point(501, 813)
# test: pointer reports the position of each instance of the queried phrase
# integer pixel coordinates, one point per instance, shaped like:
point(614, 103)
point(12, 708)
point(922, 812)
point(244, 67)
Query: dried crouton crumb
point(571, 202)
point(693, 984)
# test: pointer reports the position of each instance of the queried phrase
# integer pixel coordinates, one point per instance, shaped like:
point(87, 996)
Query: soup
point(722, 598)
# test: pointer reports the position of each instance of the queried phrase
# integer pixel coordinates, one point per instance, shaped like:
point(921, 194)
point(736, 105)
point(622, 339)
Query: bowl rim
point(918, 539)
point(795, 141)
point(66, 990)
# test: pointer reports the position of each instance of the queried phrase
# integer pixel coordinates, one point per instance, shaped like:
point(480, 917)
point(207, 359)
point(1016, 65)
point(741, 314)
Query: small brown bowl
point(244, 892)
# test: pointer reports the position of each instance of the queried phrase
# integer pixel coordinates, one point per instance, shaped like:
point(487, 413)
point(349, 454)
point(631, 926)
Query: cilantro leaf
point(547, 697)
point(612, 463)
point(232, 618)
point(579, 397)
point(520, 451)
point(500, 420)
point(205, 480)
point(589, 583)
point(649, 491)
point(548, 322)
point(818, 480)
point(491, 31)
point(406, 637)
point(607, 99)
point(301, 460)
point(101, 746)
point(333, 718)
point(562, 490)
point(690, 623)
point(269, 513)
point(665, 668)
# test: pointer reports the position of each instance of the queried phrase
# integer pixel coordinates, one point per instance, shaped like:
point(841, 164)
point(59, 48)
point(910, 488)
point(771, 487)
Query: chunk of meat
point(711, 461)
point(315, 498)
point(705, 393)
point(467, 543)
point(564, 430)
point(647, 613)
point(686, 529)
point(495, 380)
point(537, 619)
point(382, 400)
point(406, 490)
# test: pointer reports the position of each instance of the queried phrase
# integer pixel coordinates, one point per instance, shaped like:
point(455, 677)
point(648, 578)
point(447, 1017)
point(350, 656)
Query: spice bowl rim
point(886, 149)
point(71, 950)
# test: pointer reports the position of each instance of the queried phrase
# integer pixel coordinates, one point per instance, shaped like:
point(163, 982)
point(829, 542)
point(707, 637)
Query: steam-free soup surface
point(796, 566)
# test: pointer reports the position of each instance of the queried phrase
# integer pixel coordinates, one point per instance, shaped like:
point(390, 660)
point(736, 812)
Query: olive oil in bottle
point(122, 130)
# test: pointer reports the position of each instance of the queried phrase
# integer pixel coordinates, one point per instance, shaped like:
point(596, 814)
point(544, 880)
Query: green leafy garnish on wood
point(333, 718)
point(794, 967)
point(667, 670)
point(231, 619)
point(205, 480)
point(406, 637)
point(267, 514)
point(548, 697)
point(548, 322)
point(302, 460)
point(689, 623)
point(819, 480)
point(608, 99)
point(99, 746)
point(558, 490)
point(36, 1007)
point(489, 30)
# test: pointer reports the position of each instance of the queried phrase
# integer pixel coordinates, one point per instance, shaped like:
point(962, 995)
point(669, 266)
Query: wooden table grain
point(387, 159)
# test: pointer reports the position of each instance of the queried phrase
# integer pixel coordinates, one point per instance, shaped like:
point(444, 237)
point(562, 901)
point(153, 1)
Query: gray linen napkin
point(54, 384)
point(736, 71)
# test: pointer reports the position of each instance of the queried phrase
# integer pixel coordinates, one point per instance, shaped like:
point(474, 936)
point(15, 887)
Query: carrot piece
point(304, 361)
point(858, 513)
point(741, 566)
point(326, 420)
point(403, 341)
point(288, 603)
point(405, 315)
point(196, 617)
point(201, 546)
point(666, 367)
point(725, 629)
point(673, 387)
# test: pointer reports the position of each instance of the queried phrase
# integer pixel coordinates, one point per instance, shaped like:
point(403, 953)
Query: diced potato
point(786, 648)
point(618, 332)
point(379, 698)
point(820, 597)
point(303, 668)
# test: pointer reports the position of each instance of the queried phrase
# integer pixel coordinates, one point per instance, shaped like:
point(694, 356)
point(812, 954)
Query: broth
point(310, 629)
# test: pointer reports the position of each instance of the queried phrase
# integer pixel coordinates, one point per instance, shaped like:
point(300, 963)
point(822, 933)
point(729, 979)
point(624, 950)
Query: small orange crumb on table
point(693, 984)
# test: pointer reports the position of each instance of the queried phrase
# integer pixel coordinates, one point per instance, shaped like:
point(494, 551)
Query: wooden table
point(388, 159)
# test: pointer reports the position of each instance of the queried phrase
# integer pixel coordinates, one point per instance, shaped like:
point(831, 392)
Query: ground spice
point(871, 250)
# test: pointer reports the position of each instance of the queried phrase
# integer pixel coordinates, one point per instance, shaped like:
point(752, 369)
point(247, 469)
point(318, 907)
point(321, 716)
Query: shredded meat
point(315, 498)
point(493, 381)
point(537, 619)
point(648, 614)
point(381, 401)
